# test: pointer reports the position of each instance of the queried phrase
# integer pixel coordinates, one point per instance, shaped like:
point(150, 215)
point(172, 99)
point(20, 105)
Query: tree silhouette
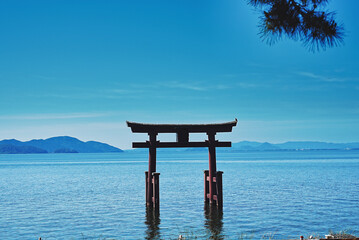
point(303, 20)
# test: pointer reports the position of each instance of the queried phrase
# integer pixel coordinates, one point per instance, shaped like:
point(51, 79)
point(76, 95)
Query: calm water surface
point(93, 196)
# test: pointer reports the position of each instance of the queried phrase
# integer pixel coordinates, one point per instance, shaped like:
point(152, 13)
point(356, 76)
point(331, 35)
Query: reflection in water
point(152, 221)
point(213, 222)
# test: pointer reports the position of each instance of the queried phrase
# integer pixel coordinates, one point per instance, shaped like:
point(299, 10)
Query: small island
point(65, 150)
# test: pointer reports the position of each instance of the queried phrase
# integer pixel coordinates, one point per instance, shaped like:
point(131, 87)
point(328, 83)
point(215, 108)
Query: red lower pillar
point(219, 189)
point(206, 186)
point(156, 189)
point(146, 181)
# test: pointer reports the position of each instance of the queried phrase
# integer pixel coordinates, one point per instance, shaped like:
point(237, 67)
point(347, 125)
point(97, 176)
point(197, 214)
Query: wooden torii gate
point(212, 177)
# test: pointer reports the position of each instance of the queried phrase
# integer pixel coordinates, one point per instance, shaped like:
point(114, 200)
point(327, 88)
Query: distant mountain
point(11, 149)
point(251, 146)
point(65, 150)
point(298, 145)
point(317, 145)
point(63, 144)
point(248, 146)
point(267, 147)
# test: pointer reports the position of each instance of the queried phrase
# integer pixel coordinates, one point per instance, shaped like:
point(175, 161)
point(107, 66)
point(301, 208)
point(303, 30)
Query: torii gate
point(212, 177)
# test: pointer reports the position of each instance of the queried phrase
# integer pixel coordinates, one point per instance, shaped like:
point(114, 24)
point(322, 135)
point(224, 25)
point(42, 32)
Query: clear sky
point(82, 68)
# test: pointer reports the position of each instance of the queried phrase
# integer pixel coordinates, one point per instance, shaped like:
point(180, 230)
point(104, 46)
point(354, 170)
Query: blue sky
point(82, 68)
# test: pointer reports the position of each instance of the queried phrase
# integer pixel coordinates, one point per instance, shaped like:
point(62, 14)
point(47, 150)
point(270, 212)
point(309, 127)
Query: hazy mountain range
point(55, 145)
point(247, 146)
point(297, 145)
point(73, 145)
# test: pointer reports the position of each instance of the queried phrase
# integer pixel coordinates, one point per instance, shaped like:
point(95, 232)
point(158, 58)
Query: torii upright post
point(151, 170)
point(213, 193)
point(212, 178)
point(212, 167)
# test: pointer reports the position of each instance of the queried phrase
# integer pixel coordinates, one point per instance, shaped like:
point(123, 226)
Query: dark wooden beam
point(179, 128)
point(179, 144)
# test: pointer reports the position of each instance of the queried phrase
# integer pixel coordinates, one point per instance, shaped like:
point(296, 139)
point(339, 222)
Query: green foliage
point(303, 20)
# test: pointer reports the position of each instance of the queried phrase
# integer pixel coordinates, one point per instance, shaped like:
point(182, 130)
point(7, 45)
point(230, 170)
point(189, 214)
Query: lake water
point(96, 196)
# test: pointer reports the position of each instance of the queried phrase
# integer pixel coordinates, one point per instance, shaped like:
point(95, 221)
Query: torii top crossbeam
point(174, 128)
point(182, 131)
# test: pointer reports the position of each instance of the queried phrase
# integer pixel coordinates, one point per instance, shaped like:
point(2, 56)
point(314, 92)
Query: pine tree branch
point(299, 20)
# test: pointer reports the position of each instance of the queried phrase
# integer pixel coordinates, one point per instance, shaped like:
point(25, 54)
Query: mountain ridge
point(253, 146)
point(293, 145)
point(60, 144)
point(67, 144)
